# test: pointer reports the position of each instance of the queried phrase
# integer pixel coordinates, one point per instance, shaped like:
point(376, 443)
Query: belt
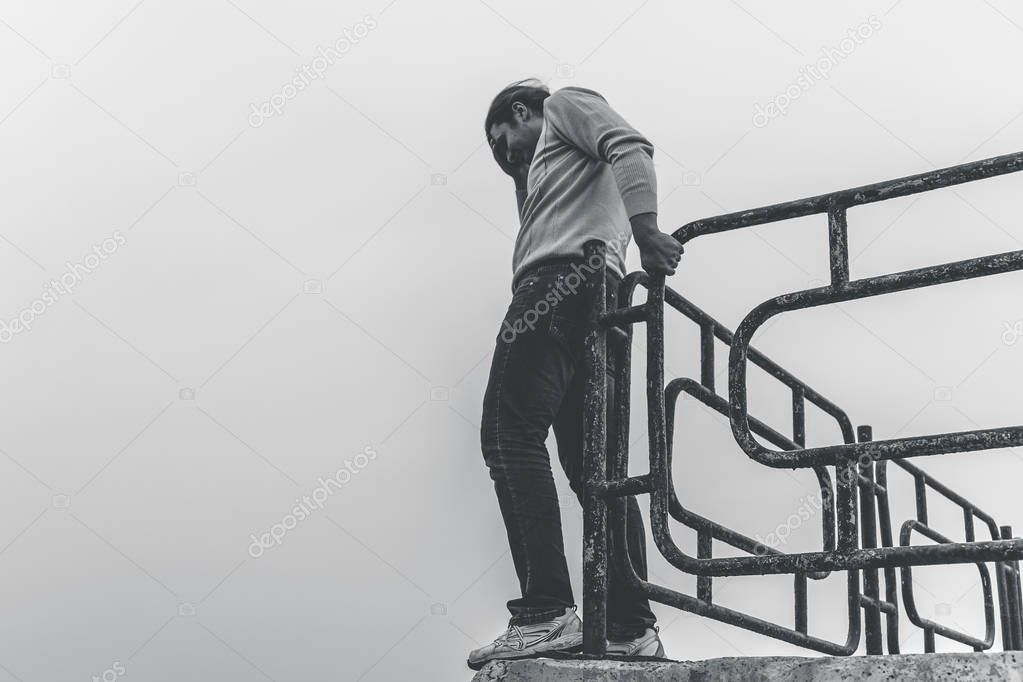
point(550, 265)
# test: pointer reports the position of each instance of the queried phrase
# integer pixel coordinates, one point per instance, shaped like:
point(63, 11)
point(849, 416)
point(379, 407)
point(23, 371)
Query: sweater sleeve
point(520, 199)
point(585, 120)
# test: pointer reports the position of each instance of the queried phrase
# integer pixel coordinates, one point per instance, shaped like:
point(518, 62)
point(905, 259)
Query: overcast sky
point(246, 244)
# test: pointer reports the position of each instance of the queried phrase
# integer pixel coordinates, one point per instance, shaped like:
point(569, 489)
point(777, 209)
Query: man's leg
point(528, 378)
point(628, 611)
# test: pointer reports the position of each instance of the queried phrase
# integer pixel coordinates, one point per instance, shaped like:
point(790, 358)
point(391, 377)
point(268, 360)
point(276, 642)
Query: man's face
point(515, 142)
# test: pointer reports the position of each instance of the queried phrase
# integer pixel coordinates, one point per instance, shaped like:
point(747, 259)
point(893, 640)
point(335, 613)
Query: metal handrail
point(855, 463)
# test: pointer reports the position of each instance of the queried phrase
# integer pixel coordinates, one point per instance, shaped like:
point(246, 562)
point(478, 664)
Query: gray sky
point(271, 281)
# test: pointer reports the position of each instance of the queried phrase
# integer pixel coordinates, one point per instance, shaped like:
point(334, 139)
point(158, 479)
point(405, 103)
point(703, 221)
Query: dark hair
point(530, 92)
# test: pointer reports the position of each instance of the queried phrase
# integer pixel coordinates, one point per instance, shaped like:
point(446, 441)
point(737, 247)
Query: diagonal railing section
point(857, 531)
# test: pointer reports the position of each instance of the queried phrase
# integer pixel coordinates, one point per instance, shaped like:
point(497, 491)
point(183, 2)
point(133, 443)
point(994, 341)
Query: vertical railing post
point(1015, 596)
point(868, 534)
point(838, 246)
point(884, 517)
point(928, 640)
point(1006, 602)
point(920, 483)
point(657, 423)
point(846, 473)
point(707, 355)
point(595, 547)
point(799, 588)
point(798, 417)
point(704, 550)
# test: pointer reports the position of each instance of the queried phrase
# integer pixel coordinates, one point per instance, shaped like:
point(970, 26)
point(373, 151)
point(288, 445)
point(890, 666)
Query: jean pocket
point(566, 309)
point(526, 285)
point(523, 315)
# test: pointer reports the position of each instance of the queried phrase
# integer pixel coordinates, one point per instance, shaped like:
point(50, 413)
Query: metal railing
point(856, 504)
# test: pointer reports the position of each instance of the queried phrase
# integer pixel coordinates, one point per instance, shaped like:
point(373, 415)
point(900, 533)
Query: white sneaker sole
point(652, 649)
point(567, 643)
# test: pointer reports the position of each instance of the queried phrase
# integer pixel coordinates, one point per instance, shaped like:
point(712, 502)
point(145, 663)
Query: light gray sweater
point(590, 174)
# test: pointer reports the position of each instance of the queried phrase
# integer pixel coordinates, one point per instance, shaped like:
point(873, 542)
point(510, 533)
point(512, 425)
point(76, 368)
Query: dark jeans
point(536, 381)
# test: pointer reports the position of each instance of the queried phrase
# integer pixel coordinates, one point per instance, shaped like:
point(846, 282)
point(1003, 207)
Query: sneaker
point(647, 644)
point(564, 633)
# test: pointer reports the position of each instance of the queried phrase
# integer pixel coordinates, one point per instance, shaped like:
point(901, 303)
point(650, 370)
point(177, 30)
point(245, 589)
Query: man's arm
point(520, 197)
point(588, 122)
point(517, 173)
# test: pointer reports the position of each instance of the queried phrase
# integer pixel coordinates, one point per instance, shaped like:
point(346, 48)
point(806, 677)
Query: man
point(581, 173)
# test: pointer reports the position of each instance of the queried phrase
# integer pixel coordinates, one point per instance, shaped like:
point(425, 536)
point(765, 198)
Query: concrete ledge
point(922, 667)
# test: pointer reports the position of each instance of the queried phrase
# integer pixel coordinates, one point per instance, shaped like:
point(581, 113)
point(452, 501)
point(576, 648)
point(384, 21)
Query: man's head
point(514, 121)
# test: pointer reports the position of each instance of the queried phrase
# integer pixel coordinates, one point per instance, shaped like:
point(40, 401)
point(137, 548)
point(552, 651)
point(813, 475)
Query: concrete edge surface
point(922, 667)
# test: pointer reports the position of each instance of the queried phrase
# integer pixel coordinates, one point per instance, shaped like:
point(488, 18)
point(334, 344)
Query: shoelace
point(515, 632)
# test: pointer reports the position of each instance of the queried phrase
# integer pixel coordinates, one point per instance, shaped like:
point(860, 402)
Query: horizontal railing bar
point(881, 191)
point(624, 316)
point(880, 604)
point(880, 557)
point(634, 485)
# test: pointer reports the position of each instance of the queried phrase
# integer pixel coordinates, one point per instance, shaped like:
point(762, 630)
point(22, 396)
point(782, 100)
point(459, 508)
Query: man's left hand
point(660, 253)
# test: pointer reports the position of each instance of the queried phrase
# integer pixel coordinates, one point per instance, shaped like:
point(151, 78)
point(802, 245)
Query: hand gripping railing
point(859, 466)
